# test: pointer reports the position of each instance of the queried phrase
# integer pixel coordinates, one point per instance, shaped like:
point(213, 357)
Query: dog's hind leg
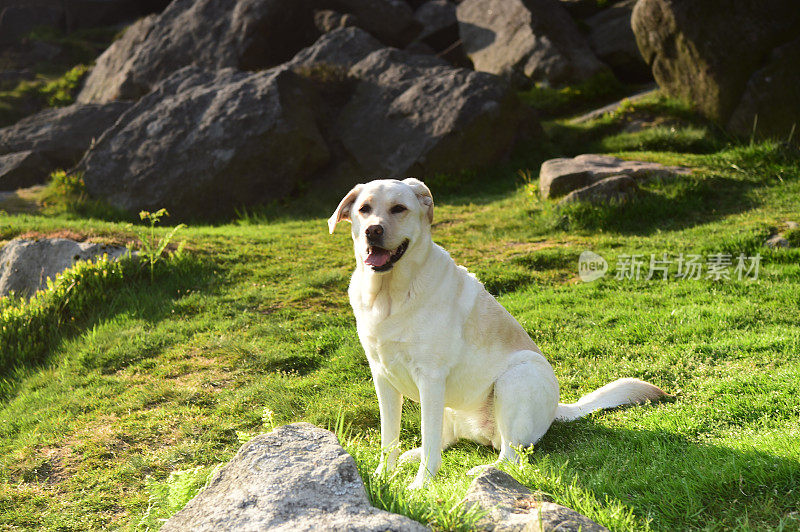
point(525, 402)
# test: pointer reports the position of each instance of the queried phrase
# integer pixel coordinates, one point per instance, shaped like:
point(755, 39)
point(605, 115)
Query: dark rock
point(612, 40)
point(92, 13)
point(511, 507)
point(526, 41)
point(770, 104)
point(205, 143)
point(581, 9)
point(114, 74)
point(419, 47)
point(614, 188)
point(439, 23)
point(340, 48)
point(440, 33)
point(23, 169)
point(60, 136)
point(25, 265)
point(417, 115)
point(391, 21)
point(17, 21)
point(695, 55)
point(297, 477)
point(244, 34)
point(561, 176)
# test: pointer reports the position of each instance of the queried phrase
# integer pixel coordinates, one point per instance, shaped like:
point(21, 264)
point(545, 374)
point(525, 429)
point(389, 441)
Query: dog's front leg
point(390, 403)
point(431, 398)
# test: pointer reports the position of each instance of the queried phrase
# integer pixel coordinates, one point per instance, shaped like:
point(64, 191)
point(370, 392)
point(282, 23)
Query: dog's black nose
point(374, 232)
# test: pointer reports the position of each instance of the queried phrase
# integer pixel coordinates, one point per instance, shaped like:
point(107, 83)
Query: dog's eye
point(397, 209)
point(365, 209)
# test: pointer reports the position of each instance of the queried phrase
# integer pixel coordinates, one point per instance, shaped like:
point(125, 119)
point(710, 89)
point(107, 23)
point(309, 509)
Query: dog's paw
point(418, 483)
point(414, 455)
point(382, 470)
point(477, 470)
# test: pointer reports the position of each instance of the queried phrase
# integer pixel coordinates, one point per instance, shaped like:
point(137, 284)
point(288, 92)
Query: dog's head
point(388, 218)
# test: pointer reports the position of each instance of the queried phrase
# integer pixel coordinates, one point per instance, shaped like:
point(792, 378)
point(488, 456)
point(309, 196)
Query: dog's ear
point(342, 212)
point(423, 195)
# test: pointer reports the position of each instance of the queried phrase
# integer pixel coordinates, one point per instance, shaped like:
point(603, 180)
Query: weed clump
point(29, 329)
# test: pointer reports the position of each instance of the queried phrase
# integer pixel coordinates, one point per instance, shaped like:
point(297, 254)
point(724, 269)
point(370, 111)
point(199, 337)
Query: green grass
point(126, 412)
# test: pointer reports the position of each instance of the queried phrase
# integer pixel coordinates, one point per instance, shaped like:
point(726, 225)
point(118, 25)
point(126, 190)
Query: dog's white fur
point(432, 333)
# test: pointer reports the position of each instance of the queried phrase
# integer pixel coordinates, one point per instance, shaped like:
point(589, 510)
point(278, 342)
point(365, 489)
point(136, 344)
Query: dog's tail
point(618, 393)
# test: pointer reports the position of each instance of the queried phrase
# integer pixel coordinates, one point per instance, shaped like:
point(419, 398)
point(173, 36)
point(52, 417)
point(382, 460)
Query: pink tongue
point(378, 257)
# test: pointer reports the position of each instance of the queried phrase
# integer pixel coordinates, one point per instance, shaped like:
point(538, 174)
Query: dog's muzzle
point(382, 259)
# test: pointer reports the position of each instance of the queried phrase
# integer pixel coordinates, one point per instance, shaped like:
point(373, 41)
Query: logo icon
point(591, 266)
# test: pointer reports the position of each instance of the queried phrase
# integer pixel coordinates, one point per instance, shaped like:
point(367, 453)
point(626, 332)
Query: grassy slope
point(172, 375)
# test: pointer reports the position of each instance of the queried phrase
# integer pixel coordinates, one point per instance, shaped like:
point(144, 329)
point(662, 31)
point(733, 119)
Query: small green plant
point(68, 186)
point(153, 245)
point(550, 101)
point(169, 496)
point(29, 328)
point(61, 91)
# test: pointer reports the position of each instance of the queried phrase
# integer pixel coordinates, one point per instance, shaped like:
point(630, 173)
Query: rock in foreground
point(295, 478)
point(25, 265)
point(511, 507)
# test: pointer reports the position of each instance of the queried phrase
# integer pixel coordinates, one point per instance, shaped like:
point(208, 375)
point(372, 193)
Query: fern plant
point(153, 246)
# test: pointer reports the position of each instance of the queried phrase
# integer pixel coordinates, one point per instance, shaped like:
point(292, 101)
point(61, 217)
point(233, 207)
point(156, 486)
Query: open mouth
point(382, 259)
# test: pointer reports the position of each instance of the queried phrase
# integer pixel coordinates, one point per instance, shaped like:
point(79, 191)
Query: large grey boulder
point(730, 76)
point(295, 478)
point(243, 34)
point(114, 75)
point(341, 48)
point(612, 40)
point(51, 139)
point(25, 265)
point(526, 41)
point(391, 21)
point(418, 115)
point(205, 143)
point(511, 507)
point(561, 176)
point(23, 169)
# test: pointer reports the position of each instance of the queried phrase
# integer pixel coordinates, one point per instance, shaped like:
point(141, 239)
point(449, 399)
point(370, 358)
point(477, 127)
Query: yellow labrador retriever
point(432, 333)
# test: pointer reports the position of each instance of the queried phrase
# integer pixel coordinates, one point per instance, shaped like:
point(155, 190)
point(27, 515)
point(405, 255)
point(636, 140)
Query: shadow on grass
point(87, 304)
point(677, 481)
point(684, 203)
